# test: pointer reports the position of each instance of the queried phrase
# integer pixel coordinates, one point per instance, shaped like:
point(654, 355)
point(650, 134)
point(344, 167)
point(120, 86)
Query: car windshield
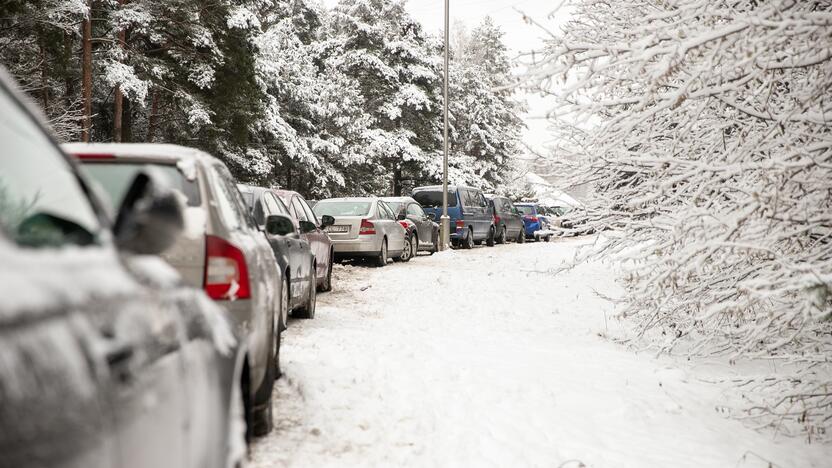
point(525, 209)
point(433, 198)
point(342, 208)
point(42, 202)
point(116, 177)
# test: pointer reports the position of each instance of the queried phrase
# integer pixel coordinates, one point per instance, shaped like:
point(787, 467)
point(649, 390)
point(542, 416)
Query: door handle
point(118, 357)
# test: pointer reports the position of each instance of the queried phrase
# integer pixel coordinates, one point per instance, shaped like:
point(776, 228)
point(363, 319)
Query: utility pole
point(445, 221)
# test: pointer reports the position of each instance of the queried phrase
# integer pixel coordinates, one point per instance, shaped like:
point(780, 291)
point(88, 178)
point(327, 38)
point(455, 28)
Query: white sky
point(520, 36)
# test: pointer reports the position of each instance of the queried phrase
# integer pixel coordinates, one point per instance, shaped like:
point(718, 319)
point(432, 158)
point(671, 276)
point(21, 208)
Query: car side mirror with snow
point(327, 220)
point(150, 218)
point(402, 216)
point(279, 225)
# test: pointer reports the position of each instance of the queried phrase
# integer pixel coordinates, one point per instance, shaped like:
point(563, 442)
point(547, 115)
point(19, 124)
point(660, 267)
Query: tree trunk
point(127, 122)
point(44, 75)
point(86, 72)
point(153, 120)
point(397, 182)
point(118, 108)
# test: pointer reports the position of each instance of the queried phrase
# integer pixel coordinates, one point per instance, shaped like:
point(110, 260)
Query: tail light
point(531, 218)
point(496, 220)
point(460, 224)
point(226, 273)
point(404, 224)
point(367, 227)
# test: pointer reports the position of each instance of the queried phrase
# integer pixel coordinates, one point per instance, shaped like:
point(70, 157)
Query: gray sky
point(520, 36)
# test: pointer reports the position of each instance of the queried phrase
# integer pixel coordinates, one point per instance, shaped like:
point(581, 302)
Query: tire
point(491, 235)
point(415, 246)
point(547, 238)
point(468, 242)
point(308, 309)
point(502, 238)
point(263, 408)
point(435, 247)
point(521, 238)
point(327, 286)
point(284, 304)
point(381, 258)
point(407, 251)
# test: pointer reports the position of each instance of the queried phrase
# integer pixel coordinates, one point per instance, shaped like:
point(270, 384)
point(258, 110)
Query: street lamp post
point(445, 220)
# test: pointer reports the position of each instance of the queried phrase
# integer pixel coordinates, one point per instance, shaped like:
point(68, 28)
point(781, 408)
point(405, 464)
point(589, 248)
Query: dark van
point(507, 219)
point(470, 219)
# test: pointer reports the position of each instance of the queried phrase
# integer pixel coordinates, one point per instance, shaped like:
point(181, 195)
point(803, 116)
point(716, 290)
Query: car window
point(385, 212)
point(42, 201)
point(414, 209)
point(470, 198)
point(302, 216)
point(115, 178)
point(526, 209)
point(229, 200)
point(273, 205)
point(342, 208)
point(309, 213)
point(433, 198)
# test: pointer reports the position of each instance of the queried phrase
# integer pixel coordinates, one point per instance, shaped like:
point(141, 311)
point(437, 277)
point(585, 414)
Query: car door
point(392, 229)
point(305, 269)
point(423, 223)
point(318, 240)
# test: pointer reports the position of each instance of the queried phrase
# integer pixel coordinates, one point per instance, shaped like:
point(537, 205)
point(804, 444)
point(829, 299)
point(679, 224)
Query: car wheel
point(327, 286)
point(491, 234)
point(407, 251)
point(547, 238)
point(468, 242)
point(502, 238)
point(308, 309)
point(435, 247)
point(521, 238)
point(262, 411)
point(414, 246)
point(381, 259)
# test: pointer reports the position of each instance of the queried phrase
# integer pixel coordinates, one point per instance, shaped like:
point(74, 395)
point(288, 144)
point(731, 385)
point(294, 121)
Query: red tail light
point(460, 224)
point(367, 227)
point(531, 218)
point(496, 220)
point(94, 156)
point(226, 273)
point(404, 224)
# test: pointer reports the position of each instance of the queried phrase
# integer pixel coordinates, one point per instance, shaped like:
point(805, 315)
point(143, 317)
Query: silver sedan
point(364, 227)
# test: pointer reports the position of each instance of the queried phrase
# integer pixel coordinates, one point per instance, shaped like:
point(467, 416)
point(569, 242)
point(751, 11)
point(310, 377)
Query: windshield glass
point(525, 209)
point(42, 202)
point(342, 208)
point(116, 177)
point(433, 198)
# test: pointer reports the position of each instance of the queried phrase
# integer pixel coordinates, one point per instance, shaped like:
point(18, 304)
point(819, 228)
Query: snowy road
point(483, 358)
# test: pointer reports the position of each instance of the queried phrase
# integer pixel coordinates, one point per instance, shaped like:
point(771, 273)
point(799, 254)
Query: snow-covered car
point(106, 358)
point(293, 253)
point(424, 231)
point(363, 227)
point(221, 250)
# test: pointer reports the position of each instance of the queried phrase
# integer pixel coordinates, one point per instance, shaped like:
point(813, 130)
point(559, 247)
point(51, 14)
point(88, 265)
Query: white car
point(364, 227)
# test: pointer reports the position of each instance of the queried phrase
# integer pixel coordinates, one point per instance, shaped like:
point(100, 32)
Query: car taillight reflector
point(88, 156)
point(367, 227)
point(531, 218)
point(226, 273)
point(460, 224)
point(404, 224)
point(496, 219)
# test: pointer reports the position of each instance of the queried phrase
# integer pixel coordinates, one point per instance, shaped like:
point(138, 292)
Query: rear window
point(116, 178)
point(526, 210)
point(433, 198)
point(342, 208)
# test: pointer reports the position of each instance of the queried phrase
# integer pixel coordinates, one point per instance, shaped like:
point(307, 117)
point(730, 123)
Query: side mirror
point(150, 218)
point(431, 216)
point(279, 225)
point(402, 216)
point(327, 220)
point(307, 226)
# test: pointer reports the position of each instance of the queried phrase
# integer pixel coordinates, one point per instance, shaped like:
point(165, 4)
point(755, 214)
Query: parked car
point(470, 221)
point(507, 219)
point(312, 230)
point(293, 253)
point(424, 231)
point(106, 358)
point(536, 221)
point(221, 250)
point(363, 227)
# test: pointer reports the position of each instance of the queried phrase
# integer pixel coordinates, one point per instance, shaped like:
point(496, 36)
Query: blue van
point(470, 220)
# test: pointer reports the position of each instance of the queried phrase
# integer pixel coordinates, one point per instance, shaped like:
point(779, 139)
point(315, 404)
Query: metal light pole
point(445, 221)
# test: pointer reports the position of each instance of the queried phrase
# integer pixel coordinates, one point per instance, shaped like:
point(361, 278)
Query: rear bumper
point(357, 247)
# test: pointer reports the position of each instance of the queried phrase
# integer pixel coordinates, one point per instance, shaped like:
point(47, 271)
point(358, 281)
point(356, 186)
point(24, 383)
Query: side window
point(310, 215)
point(301, 213)
point(385, 212)
point(273, 206)
point(225, 201)
point(483, 202)
point(415, 210)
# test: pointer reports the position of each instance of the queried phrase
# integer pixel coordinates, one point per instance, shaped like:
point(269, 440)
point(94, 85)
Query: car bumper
point(357, 247)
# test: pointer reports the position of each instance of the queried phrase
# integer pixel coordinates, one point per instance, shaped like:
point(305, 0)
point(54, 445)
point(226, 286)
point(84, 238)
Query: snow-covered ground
point(485, 358)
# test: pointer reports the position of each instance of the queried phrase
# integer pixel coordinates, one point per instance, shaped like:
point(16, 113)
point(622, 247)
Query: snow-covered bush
point(704, 127)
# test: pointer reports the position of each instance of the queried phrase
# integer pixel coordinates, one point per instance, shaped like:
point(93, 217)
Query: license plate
point(338, 228)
